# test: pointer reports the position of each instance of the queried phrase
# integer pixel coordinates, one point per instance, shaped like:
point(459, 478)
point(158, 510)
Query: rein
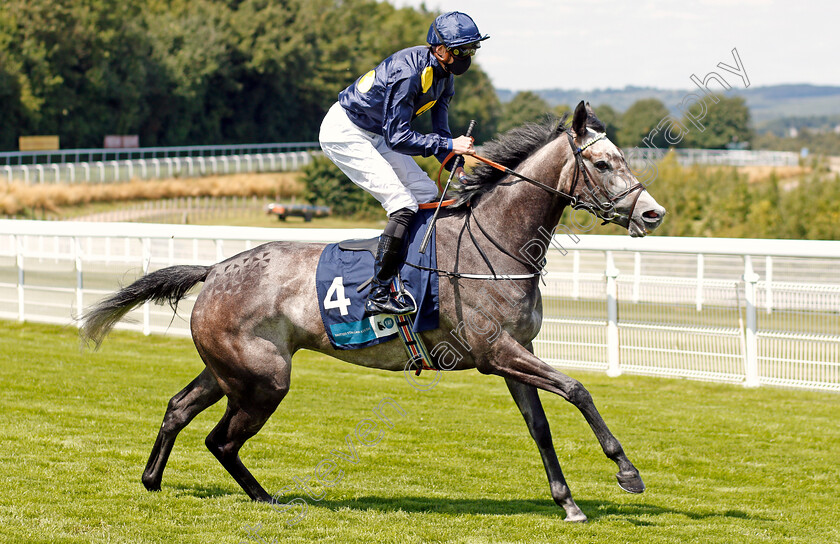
point(598, 208)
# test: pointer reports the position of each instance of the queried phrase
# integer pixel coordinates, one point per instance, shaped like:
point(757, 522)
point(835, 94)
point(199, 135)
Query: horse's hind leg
point(528, 401)
point(243, 418)
point(200, 394)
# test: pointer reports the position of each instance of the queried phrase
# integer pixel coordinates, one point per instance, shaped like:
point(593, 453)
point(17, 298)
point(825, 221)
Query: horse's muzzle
point(646, 220)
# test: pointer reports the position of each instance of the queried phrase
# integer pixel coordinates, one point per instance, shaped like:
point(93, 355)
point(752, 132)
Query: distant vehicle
point(307, 211)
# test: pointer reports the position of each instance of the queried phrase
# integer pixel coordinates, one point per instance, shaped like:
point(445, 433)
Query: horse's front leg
point(528, 401)
point(509, 359)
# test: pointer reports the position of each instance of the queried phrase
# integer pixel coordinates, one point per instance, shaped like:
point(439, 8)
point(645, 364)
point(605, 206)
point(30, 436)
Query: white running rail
point(756, 312)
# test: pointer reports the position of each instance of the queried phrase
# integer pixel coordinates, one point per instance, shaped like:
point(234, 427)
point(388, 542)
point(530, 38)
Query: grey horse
point(258, 308)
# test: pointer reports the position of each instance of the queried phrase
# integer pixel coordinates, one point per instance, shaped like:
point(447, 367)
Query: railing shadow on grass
point(636, 514)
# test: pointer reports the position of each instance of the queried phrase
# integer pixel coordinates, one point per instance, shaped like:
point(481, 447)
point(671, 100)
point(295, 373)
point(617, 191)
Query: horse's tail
point(165, 285)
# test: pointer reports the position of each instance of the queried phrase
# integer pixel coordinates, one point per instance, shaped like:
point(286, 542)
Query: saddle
point(370, 244)
point(343, 275)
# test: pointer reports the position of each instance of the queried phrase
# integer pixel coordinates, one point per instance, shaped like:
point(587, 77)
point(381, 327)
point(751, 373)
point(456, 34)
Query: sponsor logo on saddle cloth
point(341, 272)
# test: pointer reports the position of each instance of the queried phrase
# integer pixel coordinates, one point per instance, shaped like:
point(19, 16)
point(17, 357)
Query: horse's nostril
point(651, 214)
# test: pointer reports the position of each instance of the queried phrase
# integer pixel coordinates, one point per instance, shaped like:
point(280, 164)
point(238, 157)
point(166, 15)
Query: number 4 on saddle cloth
point(340, 274)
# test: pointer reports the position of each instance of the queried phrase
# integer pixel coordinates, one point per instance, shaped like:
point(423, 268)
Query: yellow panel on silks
point(426, 79)
point(425, 107)
point(366, 82)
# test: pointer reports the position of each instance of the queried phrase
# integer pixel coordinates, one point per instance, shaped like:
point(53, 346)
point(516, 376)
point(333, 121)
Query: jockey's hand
point(460, 174)
point(463, 145)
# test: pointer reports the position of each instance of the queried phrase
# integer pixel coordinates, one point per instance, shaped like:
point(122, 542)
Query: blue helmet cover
point(453, 29)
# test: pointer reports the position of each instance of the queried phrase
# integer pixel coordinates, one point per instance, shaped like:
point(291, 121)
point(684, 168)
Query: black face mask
point(459, 65)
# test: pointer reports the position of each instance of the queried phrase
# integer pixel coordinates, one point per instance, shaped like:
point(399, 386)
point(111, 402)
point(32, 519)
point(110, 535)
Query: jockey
point(368, 135)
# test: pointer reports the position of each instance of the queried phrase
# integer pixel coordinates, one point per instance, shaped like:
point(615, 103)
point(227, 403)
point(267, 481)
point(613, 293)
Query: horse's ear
point(579, 120)
point(592, 120)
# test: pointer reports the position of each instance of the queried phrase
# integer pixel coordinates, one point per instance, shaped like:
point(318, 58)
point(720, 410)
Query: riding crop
point(458, 162)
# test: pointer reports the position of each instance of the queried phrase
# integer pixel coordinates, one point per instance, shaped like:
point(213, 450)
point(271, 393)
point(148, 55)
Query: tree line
point(189, 72)
point(645, 123)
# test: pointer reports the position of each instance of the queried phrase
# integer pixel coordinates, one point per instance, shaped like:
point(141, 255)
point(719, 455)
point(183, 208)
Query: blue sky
point(590, 44)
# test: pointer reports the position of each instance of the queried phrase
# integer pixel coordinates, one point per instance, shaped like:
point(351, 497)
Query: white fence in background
point(93, 155)
point(743, 311)
point(720, 157)
point(153, 168)
point(155, 163)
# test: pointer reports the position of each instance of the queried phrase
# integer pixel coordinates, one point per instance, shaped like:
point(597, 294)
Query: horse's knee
point(172, 422)
point(578, 395)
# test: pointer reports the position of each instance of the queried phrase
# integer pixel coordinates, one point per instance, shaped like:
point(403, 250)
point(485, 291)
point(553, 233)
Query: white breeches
point(392, 178)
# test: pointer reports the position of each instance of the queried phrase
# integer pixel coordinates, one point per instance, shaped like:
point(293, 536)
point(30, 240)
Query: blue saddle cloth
point(341, 272)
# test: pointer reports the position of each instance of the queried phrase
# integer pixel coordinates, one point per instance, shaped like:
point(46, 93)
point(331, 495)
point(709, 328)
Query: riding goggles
point(466, 50)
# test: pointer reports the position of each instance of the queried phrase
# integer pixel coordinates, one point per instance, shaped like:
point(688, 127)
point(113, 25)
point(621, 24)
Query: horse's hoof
point(150, 484)
point(630, 482)
point(576, 517)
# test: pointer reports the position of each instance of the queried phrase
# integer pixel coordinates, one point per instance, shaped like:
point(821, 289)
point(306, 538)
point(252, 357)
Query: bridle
point(599, 208)
point(603, 209)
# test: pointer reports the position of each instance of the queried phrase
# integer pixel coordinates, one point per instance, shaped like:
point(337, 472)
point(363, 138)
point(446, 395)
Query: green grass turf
point(722, 463)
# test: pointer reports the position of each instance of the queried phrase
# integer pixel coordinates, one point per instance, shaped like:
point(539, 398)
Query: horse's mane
point(509, 150)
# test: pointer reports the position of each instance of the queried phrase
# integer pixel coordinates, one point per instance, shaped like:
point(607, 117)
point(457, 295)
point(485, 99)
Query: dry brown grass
point(759, 174)
point(17, 198)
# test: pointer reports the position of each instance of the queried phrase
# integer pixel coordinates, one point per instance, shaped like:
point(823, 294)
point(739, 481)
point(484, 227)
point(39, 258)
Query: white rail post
point(751, 355)
point(86, 166)
point(40, 169)
point(25, 169)
point(18, 243)
point(576, 275)
point(77, 263)
point(8, 173)
point(768, 283)
point(72, 168)
point(611, 272)
point(701, 260)
point(57, 174)
point(637, 276)
point(147, 261)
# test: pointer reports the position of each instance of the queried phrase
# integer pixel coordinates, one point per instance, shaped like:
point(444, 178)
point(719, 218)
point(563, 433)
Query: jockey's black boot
point(388, 259)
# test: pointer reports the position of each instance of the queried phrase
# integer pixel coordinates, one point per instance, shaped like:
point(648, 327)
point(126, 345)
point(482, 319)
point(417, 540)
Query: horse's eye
point(602, 165)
